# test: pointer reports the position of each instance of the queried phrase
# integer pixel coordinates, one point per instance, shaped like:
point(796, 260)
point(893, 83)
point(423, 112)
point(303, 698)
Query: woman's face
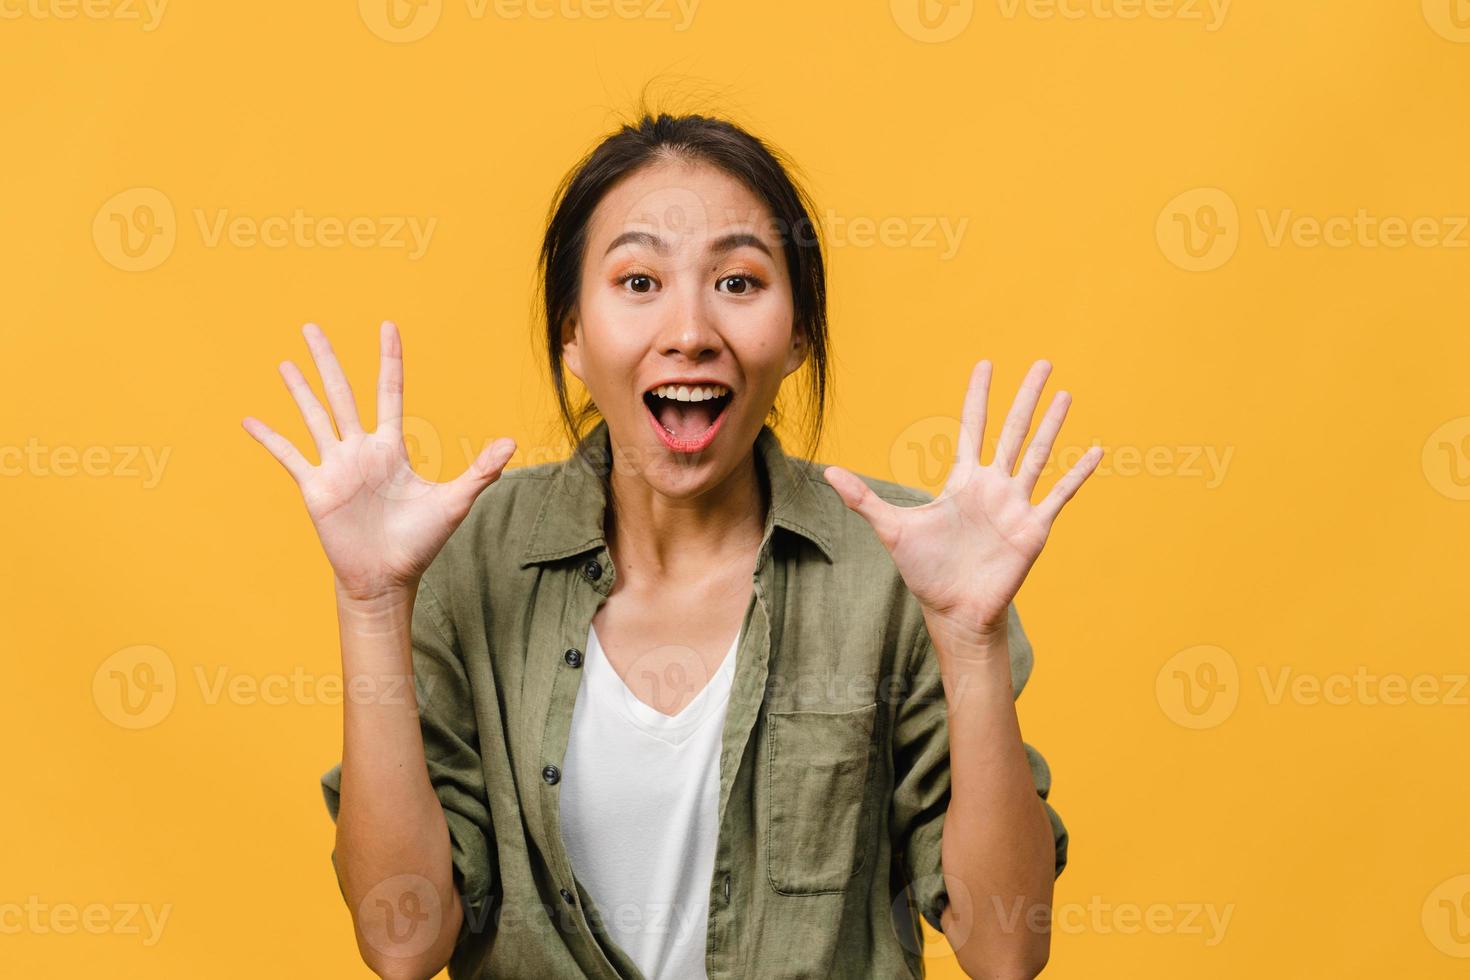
point(683, 281)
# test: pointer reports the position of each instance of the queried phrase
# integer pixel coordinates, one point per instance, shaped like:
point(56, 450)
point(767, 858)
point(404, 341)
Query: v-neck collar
point(604, 683)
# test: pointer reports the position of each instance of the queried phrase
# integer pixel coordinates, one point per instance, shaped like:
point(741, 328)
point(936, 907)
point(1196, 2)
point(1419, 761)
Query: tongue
point(686, 420)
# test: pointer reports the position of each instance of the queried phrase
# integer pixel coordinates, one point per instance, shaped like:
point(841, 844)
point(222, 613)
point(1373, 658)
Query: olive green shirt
point(834, 766)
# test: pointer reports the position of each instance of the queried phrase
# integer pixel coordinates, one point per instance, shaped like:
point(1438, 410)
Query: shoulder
point(864, 566)
point(850, 532)
point(495, 534)
point(860, 583)
point(509, 506)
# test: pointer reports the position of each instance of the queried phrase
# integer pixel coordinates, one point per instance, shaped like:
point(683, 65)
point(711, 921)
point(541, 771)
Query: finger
point(1040, 449)
point(860, 497)
point(972, 420)
point(390, 380)
point(1018, 420)
point(460, 493)
point(334, 382)
point(318, 422)
point(279, 446)
point(1069, 483)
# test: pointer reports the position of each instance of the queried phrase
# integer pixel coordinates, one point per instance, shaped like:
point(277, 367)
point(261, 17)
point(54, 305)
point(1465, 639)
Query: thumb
point(858, 496)
point(485, 470)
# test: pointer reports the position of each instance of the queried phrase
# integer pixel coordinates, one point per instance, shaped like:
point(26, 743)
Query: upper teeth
point(685, 393)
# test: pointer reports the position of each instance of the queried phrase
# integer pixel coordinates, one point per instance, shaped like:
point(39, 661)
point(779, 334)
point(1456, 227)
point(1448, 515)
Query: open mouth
point(687, 417)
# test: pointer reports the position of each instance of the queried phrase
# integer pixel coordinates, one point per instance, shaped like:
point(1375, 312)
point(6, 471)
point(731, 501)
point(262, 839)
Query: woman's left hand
point(965, 554)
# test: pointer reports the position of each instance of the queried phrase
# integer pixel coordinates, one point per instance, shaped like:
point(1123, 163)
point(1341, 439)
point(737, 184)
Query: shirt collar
point(570, 518)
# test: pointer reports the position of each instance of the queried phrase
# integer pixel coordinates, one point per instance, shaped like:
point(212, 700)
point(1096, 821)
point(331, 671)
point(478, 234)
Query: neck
point(651, 534)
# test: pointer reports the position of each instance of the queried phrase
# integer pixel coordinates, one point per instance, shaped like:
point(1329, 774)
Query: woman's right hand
point(379, 522)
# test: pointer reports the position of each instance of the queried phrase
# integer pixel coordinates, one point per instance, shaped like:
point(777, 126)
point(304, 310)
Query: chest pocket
point(817, 771)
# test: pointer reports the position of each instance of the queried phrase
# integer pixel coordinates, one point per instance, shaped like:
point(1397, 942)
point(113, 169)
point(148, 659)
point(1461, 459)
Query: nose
point(688, 327)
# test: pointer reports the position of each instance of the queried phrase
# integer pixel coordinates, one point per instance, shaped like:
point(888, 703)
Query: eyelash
point(754, 280)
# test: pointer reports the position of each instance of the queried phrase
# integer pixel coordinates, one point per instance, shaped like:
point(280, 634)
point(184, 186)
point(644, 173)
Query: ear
point(798, 352)
point(571, 344)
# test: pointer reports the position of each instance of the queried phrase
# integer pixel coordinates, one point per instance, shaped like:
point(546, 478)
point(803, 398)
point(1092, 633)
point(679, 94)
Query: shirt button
point(573, 658)
point(551, 774)
point(727, 888)
point(593, 570)
point(566, 896)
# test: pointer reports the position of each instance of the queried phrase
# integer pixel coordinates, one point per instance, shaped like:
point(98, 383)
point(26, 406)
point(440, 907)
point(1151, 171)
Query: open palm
point(380, 523)
point(965, 554)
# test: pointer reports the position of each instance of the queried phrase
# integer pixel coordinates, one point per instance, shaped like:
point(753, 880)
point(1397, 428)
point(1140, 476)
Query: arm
point(381, 527)
point(392, 841)
point(998, 851)
point(964, 556)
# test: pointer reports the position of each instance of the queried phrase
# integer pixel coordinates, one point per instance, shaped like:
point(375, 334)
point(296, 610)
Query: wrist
point(967, 636)
point(374, 604)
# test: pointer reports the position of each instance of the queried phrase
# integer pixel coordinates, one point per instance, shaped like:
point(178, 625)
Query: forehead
point(679, 200)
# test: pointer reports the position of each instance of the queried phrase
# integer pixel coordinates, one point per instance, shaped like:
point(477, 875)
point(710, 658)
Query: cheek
point(768, 326)
point(612, 335)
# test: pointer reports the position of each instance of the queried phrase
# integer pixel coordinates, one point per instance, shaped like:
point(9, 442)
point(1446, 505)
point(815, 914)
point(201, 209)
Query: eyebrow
point(725, 243)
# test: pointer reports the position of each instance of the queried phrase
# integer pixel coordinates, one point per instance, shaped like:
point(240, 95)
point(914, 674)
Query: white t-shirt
point(640, 796)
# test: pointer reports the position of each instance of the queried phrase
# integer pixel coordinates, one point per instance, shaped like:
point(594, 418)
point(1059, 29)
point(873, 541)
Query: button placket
point(577, 614)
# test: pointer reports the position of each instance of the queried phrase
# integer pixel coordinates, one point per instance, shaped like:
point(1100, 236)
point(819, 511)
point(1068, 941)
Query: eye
point(641, 283)
point(742, 284)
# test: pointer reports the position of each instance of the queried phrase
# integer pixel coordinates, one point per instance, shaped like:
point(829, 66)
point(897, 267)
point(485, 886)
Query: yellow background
point(1329, 381)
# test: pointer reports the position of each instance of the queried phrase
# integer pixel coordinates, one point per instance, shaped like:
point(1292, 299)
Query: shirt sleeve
point(921, 770)
point(447, 721)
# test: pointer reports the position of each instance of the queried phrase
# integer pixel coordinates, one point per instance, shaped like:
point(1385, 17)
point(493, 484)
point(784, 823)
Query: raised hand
point(379, 522)
point(965, 554)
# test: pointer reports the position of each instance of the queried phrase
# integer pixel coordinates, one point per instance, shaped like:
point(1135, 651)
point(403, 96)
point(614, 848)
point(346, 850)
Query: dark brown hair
point(693, 138)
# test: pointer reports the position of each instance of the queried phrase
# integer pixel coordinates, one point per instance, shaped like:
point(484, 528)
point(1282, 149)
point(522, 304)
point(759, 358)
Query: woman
point(683, 705)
